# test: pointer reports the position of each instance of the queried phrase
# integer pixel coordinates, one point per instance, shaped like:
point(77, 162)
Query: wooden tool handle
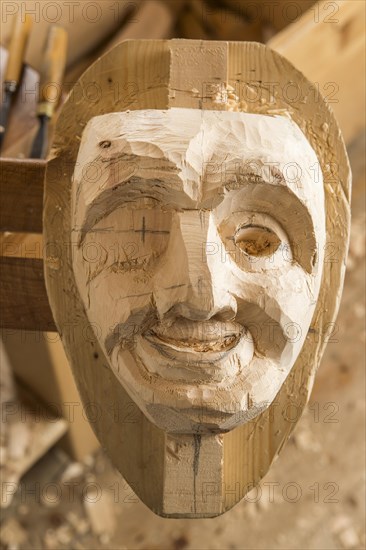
point(21, 30)
point(52, 71)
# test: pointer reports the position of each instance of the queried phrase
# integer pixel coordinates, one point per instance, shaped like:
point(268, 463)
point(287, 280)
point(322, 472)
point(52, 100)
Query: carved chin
point(200, 390)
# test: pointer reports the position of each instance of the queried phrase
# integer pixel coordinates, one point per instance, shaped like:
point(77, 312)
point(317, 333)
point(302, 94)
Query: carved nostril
point(225, 314)
point(188, 311)
point(105, 144)
point(192, 312)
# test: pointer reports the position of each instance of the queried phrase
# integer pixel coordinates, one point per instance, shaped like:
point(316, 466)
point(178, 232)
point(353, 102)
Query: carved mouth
point(195, 352)
point(197, 337)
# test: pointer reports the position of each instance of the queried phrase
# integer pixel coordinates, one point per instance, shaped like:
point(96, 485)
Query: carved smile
point(191, 344)
point(195, 352)
point(208, 339)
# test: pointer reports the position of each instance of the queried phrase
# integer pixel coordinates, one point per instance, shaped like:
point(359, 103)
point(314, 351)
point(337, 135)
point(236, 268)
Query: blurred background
point(58, 489)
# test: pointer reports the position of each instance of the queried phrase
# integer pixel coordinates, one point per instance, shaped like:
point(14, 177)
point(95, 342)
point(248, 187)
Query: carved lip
point(196, 336)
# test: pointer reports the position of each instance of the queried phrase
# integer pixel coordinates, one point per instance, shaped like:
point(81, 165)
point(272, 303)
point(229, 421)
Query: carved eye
point(256, 240)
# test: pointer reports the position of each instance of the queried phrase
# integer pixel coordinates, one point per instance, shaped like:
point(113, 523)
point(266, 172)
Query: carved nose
point(203, 305)
point(192, 279)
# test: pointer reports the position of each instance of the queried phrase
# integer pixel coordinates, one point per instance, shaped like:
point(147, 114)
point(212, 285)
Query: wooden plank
point(21, 195)
point(328, 45)
point(23, 296)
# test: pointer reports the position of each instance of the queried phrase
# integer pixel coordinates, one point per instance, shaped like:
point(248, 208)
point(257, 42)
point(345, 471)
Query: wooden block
point(202, 492)
point(196, 75)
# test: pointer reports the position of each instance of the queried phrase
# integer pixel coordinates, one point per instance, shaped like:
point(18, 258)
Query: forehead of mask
point(195, 154)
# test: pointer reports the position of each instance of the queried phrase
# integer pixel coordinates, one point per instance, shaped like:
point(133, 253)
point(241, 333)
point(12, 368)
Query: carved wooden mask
point(200, 246)
point(195, 258)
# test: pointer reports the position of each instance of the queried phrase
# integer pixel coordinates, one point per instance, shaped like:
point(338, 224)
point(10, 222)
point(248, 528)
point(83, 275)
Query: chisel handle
point(52, 71)
point(19, 39)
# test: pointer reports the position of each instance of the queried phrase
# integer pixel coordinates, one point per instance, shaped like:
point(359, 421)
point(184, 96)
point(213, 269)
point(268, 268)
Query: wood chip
point(349, 538)
point(12, 533)
point(74, 471)
point(101, 514)
point(81, 525)
point(50, 540)
point(64, 534)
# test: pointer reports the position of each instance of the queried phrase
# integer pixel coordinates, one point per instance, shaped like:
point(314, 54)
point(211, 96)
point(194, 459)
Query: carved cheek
point(283, 304)
point(128, 245)
point(260, 267)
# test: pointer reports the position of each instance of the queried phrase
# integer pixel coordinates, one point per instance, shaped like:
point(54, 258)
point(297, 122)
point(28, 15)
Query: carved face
point(199, 250)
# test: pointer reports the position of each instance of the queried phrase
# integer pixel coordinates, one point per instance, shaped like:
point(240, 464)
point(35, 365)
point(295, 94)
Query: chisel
point(19, 38)
point(52, 72)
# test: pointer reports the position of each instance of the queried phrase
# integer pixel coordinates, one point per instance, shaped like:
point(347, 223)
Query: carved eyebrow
point(129, 191)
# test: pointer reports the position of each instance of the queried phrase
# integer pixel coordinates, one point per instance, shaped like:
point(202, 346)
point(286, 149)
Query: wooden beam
point(24, 302)
point(23, 296)
point(21, 195)
point(327, 44)
point(279, 14)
